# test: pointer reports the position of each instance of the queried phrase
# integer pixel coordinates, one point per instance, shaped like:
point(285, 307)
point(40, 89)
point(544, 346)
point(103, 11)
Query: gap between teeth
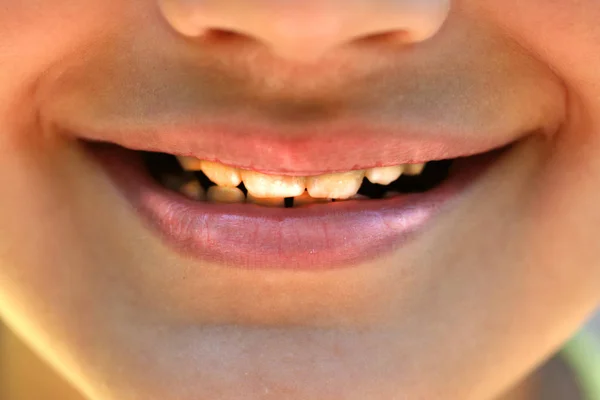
point(270, 190)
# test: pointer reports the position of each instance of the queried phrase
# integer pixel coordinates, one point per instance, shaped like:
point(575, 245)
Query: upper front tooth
point(335, 186)
point(222, 175)
point(190, 163)
point(413, 169)
point(261, 185)
point(384, 175)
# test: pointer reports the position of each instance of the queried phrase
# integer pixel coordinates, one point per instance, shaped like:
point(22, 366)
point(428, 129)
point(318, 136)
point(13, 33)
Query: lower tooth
point(226, 195)
point(172, 182)
point(176, 181)
point(266, 201)
point(193, 190)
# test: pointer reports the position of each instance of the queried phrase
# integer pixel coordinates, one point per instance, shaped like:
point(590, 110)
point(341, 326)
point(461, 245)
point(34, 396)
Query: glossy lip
point(321, 236)
point(301, 151)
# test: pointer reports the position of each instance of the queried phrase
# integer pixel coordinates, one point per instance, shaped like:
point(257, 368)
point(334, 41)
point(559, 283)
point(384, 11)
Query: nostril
point(222, 34)
point(392, 36)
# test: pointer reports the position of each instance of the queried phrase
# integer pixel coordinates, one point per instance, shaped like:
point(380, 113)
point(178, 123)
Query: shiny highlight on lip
point(316, 237)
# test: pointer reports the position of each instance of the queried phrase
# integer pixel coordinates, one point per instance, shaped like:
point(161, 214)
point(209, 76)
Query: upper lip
point(312, 150)
point(358, 111)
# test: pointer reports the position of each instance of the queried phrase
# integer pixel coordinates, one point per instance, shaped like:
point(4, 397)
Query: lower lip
point(316, 237)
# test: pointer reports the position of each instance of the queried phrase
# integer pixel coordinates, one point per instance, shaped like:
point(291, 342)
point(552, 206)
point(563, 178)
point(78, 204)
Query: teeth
point(190, 163)
point(193, 190)
point(413, 169)
point(218, 194)
point(268, 202)
point(305, 199)
point(261, 185)
point(384, 175)
point(222, 175)
point(271, 190)
point(335, 186)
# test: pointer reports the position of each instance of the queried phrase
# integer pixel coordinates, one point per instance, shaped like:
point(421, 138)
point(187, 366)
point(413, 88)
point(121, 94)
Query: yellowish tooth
point(221, 174)
point(261, 185)
point(220, 194)
point(413, 169)
point(384, 175)
point(305, 199)
point(335, 186)
point(268, 202)
point(193, 190)
point(190, 163)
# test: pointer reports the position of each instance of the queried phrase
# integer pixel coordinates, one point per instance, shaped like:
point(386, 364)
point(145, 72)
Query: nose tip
point(305, 30)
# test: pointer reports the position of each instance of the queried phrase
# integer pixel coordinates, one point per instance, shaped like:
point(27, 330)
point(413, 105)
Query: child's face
point(135, 292)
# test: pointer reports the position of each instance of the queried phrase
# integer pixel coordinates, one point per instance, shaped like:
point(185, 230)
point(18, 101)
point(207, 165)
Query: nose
point(304, 30)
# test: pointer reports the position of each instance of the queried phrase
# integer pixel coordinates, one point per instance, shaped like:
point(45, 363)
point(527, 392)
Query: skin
point(483, 296)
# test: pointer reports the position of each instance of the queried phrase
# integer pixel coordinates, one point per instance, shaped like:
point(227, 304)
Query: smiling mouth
point(264, 214)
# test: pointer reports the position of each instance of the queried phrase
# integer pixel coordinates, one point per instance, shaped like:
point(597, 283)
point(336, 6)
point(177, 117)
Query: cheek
point(36, 34)
point(564, 34)
point(567, 217)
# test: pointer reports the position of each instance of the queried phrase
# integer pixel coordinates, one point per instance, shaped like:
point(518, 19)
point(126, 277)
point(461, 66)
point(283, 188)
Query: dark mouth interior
point(160, 165)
